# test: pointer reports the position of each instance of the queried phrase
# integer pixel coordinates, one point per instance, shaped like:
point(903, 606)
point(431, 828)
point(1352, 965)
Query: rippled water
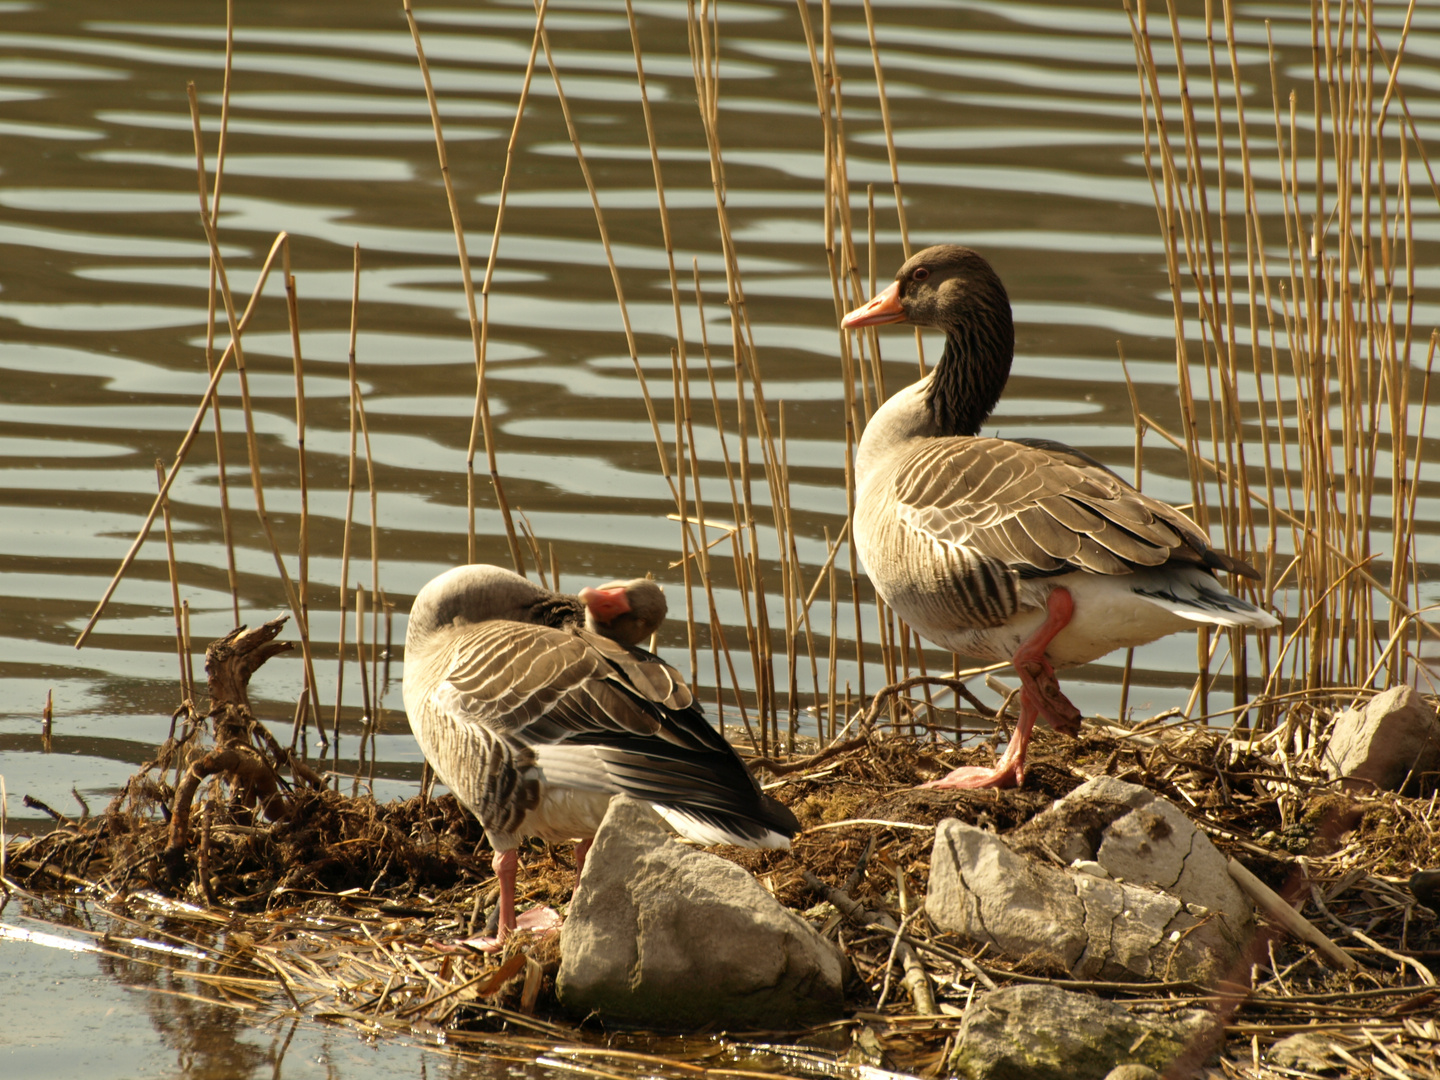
point(1017, 132)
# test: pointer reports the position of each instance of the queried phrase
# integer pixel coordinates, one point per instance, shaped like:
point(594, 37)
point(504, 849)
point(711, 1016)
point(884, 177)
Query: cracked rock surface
point(1045, 1033)
point(1151, 897)
point(667, 937)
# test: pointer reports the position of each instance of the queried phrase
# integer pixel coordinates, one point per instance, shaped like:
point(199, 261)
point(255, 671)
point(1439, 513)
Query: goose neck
point(971, 375)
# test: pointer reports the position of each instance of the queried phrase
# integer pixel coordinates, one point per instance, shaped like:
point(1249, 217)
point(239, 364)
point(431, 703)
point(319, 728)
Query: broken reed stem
point(186, 442)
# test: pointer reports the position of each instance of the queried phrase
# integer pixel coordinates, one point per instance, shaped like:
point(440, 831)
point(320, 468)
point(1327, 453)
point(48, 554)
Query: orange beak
point(883, 307)
point(605, 604)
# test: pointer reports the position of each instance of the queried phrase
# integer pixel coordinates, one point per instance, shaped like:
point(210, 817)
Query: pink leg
point(1040, 695)
point(581, 850)
point(505, 864)
point(539, 918)
point(1037, 677)
point(1009, 771)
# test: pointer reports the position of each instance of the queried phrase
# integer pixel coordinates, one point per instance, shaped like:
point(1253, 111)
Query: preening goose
point(1022, 550)
point(535, 708)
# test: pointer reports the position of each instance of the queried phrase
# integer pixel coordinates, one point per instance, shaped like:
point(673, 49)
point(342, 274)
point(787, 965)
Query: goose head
point(625, 611)
point(953, 289)
point(476, 593)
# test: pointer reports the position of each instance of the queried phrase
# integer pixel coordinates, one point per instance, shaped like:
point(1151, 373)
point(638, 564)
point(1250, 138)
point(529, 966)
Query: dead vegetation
point(290, 898)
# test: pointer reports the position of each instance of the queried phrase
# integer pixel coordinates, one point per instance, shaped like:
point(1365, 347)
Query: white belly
point(566, 814)
point(1108, 616)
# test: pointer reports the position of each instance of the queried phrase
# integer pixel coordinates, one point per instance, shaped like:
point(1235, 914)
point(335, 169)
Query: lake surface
point(1017, 131)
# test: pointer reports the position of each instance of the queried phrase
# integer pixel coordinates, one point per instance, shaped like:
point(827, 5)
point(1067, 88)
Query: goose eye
point(920, 274)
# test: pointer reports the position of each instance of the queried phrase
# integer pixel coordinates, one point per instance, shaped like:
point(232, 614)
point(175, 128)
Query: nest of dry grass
point(344, 909)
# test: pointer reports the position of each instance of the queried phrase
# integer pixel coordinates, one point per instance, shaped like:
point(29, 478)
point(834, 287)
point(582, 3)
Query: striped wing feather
point(537, 685)
point(1042, 508)
point(600, 716)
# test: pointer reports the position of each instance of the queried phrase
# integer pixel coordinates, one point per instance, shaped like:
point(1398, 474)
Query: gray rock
point(1067, 920)
point(1045, 1033)
point(668, 937)
point(1305, 1052)
point(1141, 839)
point(1394, 737)
point(985, 892)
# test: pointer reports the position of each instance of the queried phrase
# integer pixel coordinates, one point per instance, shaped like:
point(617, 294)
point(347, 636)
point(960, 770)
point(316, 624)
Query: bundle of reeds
point(1310, 344)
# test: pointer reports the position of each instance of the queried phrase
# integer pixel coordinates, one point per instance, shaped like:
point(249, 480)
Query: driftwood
point(246, 755)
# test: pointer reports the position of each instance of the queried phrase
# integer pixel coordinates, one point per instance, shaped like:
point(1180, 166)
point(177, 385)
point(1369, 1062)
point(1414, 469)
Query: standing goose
point(535, 708)
point(1019, 550)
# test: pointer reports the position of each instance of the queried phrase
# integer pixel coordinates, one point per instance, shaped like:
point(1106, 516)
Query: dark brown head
point(952, 288)
point(625, 611)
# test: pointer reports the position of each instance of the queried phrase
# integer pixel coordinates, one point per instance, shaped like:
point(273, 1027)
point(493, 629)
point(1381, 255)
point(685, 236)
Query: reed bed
point(1298, 315)
point(341, 909)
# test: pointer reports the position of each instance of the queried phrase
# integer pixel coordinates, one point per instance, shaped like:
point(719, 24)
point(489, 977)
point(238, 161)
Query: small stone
point(1394, 738)
point(1132, 1072)
point(1045, 1033)
point(1305, 1052)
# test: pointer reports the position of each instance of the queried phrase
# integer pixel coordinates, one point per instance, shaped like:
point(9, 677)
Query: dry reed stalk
point(609, 257)
point(704, 61)
point(478, 334)
point(374, 535)
point(681, 413)
point(187, 692)
point(189, 652)
point(222, 474)
point(366, 703)
point(679, 358)
point(292, 309)
point(847, 361)
point(528, 532)
point(351, 371)
point(1124, 704)
point(298, 725)
point(717, 633)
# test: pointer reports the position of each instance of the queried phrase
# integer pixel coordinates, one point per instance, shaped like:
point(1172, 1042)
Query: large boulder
point(1395, 738)
point(1045, 1033)
point(1146, 896)
point(667, 937)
